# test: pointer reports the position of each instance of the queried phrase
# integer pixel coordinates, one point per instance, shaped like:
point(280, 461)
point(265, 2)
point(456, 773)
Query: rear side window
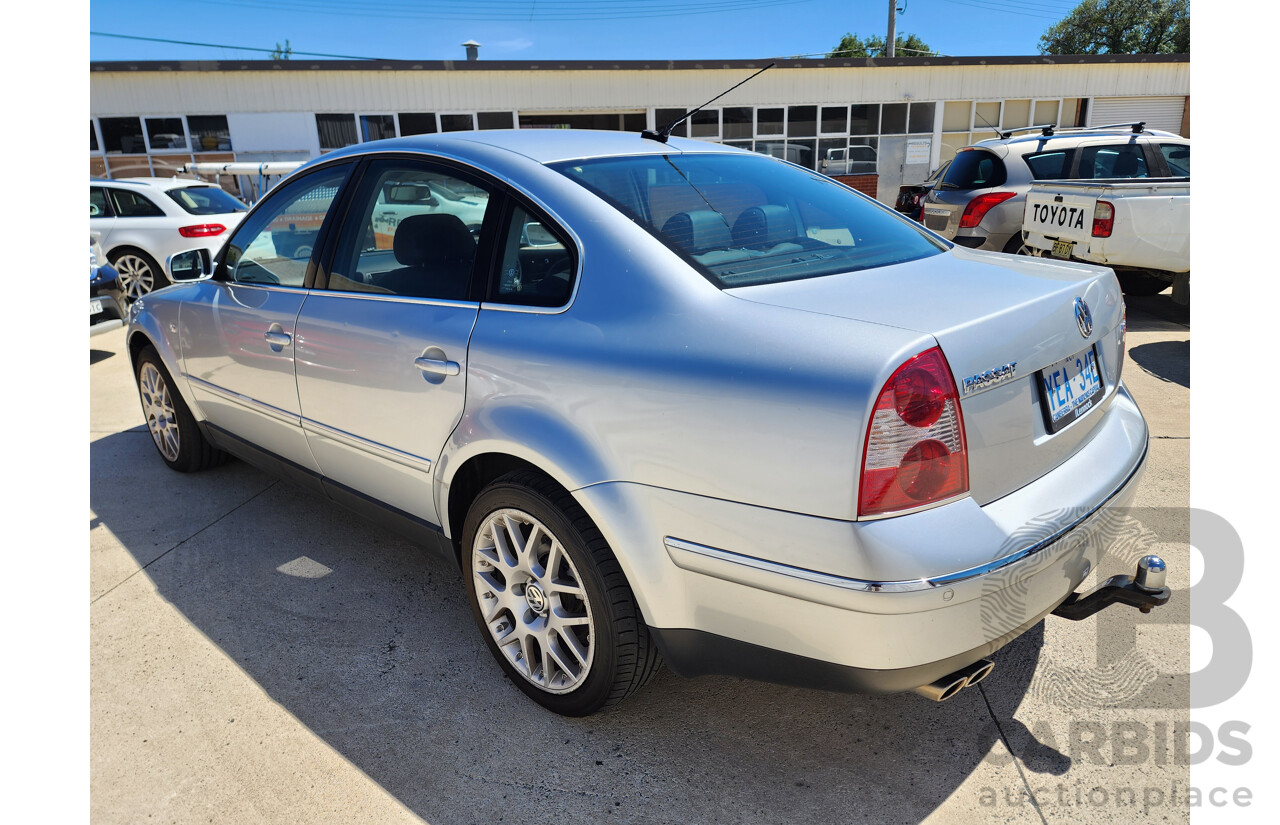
point(1178, 158)
point(1117, 160)
point(1053, 165)
point(537, 263)
point(974, 169)
point(134, 205)
point(205, 200)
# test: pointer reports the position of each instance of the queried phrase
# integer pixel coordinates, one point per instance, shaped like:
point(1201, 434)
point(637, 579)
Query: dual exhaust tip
point(948, 686)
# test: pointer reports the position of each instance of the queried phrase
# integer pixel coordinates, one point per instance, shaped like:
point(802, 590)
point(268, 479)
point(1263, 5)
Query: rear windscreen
point(205, 200)
point(742, 219)
point(974, 169)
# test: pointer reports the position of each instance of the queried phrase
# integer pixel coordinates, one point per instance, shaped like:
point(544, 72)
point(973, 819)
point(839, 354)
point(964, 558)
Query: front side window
point(129, 204)
point(412, 230)
point(742, 220)
point(537, 264)
point(274, 244)
point(1120, 160)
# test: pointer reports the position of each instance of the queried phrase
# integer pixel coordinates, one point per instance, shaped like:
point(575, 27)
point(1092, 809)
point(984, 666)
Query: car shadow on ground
point(97, 355)
point(369, 642)
point(1149, 313)
point(1165, 360)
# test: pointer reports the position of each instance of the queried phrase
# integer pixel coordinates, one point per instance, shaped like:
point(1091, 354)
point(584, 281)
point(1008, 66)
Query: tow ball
point(1145, 590)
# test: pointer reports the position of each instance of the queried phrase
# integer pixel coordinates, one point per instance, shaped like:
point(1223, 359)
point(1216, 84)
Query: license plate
point(1069, 389)
point(95, 307)
point(1062, 249)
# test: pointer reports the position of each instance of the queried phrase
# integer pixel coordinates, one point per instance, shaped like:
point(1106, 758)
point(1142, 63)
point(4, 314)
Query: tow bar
point(1145, 590)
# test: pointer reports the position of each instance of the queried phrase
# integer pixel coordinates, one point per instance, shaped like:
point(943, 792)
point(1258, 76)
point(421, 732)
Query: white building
point(912, 113)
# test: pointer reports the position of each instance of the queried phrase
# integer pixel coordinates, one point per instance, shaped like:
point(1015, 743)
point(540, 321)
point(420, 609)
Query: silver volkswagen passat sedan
point(666, 401)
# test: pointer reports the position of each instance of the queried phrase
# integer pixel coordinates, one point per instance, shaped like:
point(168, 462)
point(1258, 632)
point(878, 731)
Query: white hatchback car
point(140, 222)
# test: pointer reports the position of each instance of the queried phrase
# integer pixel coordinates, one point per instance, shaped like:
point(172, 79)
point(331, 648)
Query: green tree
point(282, 53)
point(1122, 27)
point(874, 46)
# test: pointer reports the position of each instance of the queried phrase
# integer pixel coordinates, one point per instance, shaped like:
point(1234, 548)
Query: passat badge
point(990, 378)
point(1084, 319)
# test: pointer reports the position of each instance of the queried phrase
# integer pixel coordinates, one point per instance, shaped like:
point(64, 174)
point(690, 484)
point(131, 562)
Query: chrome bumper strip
point(244, 401)
point(907, 586)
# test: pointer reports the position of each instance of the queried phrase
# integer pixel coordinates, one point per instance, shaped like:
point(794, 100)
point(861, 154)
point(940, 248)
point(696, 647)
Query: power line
point(988, 5)
point(222, 46)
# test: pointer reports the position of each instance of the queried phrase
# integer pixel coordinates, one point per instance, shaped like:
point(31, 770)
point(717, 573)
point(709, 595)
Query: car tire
point(138, 272)
point(1015, 246)
point(1141, 283)
point(558, 616)
point(172, 427)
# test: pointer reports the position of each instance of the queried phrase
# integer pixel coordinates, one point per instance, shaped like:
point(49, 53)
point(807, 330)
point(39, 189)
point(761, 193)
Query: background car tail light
point(202, 230)
point(915, 450)
point(980, 206)
point(1104, 219)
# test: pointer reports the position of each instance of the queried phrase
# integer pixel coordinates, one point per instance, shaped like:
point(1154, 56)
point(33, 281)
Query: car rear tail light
point(980, 206)
point(202, 230)
point(1104, 219)
point(915, 452)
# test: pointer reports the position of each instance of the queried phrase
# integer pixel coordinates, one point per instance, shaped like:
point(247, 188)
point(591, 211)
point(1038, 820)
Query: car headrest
point(698, 230)
point(764, 225)
point(431, 239)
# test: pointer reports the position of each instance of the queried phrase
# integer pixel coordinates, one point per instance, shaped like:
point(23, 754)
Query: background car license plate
point(1062, 249)
point(95, 307)
point(1069, 389)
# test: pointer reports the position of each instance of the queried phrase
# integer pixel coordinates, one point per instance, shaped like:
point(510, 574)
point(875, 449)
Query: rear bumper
point(745, 591)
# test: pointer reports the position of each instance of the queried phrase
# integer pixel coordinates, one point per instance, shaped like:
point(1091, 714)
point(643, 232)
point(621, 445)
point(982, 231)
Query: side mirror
point(192, 265)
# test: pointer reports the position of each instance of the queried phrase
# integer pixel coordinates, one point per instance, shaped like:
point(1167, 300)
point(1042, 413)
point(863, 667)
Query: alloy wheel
point(157, 406)
point(533, 601)
point(136, 277)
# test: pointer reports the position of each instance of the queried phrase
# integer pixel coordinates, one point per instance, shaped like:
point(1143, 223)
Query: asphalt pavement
point(258, 654)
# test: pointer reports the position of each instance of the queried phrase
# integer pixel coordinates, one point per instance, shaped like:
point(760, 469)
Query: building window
point(893, 119)
point(209, 133)
point(377, 127)
point(122, 135)
point(770, 121)
point(661, 117)
point(165, 133)
point(336, 131)
point(457, 123)
point(417, 123)
point(736, 122)
point(835, 120)
point(864, 119)
point(920, 118)
point(495, 120)
point(705, 124)
point(93, 138)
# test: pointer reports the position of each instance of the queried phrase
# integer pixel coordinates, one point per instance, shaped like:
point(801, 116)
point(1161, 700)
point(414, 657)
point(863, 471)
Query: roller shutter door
point(1158, 112)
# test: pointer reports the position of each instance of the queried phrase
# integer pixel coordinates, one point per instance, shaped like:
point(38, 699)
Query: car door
point(238, 328)
point(382, 348)
point(102, 218)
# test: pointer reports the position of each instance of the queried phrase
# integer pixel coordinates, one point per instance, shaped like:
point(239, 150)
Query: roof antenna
point(665, 132)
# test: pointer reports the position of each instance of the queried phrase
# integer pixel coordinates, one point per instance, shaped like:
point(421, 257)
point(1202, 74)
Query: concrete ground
point(259, 655)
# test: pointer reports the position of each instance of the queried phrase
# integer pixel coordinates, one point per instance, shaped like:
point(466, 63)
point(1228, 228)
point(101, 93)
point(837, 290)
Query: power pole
point(889, 41)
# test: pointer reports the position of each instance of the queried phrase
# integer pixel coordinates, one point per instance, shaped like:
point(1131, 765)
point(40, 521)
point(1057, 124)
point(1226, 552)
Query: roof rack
point(1046, 128)
point(1049, 131)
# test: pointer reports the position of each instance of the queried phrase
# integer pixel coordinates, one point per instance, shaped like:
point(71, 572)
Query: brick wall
point(866, 184)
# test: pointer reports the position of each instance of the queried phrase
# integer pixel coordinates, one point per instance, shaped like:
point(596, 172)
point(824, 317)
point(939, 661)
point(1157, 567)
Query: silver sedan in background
point(665, 401)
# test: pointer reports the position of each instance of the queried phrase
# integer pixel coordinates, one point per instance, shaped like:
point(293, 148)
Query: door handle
point(433, 366)
point(277, 339)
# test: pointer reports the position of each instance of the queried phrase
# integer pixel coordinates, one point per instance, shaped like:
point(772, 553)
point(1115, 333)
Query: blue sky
point(559, 29)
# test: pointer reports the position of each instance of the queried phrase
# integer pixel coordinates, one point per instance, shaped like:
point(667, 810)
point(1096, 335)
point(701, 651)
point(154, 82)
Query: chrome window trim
point(396, 299)
point(902, 586)
point(244, 401)
point(404, 459)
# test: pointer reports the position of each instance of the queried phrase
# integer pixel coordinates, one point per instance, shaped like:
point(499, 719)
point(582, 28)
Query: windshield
point(742, 220)
point(205, 200)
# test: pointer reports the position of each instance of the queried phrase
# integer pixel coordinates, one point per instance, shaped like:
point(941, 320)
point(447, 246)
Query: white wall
point(274, 132)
